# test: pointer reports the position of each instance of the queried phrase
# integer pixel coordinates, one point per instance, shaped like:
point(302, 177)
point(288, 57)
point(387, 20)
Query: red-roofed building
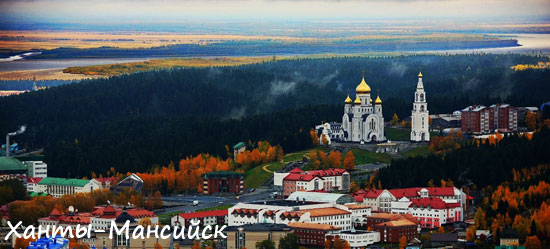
point(31, 183)
point(214, 217)
point(312, 234)
point(315, 180)
point(107, 182)
point(393, 226)
point(433, 212)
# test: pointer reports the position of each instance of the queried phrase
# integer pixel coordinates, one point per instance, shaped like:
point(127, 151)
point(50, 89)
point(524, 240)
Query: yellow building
point(248, 235)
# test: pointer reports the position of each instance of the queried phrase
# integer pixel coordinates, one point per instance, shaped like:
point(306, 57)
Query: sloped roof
point(11, 164)
point(313, 226)
point(319, 212)
point(320, 197)
point(433, 202)
point(64, 181)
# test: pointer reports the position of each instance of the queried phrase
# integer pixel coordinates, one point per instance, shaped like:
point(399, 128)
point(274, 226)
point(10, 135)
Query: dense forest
point(135, 121)
point(482, 164)
point(281, 47)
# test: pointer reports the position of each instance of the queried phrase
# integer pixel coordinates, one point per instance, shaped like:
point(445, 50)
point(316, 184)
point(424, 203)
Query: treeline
point(273, 47)
point(137, 121)
point(483, 164)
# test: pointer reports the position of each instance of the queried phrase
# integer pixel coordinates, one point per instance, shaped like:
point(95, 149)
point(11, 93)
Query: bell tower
point(420, 130)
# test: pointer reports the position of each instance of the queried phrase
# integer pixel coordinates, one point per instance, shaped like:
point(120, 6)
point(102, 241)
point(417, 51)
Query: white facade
point(362, 120)
point(420, 129)
point(381, 203)
point(359, 239)
point(61, 188)
point(37, 169)
point(326, 213)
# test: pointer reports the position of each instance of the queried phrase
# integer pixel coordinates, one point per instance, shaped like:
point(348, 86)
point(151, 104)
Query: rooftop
point(64, 181)
point(11, 164)
point(217, 174)
point(238, 145)
point(284, 203)
point(319, 212)
point(321, 197)
point(313, 226)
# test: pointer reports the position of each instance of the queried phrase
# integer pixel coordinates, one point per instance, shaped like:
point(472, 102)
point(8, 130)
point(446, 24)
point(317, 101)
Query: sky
point(166, 11)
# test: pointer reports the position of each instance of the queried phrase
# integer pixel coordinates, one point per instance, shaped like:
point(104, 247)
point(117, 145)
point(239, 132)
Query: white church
point(363, 121)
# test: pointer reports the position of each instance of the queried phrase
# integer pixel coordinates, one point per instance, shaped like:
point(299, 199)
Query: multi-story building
point(36, 169)
point(246, 236)
point(58, 187)
point(481, 120)
point(315, 180)
point(286, 211)
point(387, 200)
point(102, 216)
point(205, 218)
point(358, 238)
point(222, 182)
point(433, 212)
point(393, 226)
point(312, 234)
point(32, 183)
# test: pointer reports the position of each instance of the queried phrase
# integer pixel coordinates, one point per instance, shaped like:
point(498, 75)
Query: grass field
point(365, 157)
point(401, 134)
point(419, 151)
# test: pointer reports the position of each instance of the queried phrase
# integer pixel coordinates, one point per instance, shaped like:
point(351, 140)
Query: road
point(206, 201)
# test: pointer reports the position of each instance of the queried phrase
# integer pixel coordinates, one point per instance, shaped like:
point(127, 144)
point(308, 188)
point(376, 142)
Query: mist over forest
point(143, 119)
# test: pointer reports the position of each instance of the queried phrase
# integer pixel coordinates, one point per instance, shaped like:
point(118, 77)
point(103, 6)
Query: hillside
point(135, 121)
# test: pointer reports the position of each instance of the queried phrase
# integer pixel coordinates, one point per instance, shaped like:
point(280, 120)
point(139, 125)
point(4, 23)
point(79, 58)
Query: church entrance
point(422, 136)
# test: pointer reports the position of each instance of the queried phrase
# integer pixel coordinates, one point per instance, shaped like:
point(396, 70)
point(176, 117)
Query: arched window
point(422, 109)
point(421, 97)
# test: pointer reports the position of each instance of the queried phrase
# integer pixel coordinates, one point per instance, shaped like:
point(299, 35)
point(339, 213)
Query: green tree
point(265, 244)
point(290, 241)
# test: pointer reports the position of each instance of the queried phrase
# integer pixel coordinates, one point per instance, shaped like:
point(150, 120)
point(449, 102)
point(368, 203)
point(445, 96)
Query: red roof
point(410, 192)
point(109, 212)
point(204, 214)
point(33, 179)
point(299, 175)
point(296, 170)
point(55, 212)
point(373, 193)
point(358, 198)
point(433, 202)
point(103, 180)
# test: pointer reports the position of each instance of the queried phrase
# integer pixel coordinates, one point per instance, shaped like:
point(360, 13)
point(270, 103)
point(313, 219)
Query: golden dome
point(378, 100)
point(363, 87)
point(420, 75)
point(357, 100)
point(348, 100)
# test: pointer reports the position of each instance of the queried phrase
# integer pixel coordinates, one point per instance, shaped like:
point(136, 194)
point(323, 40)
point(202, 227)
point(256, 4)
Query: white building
point(362, 120)
point(420, 127)
point(315, 180)
point(204, 218)
point(433, 212)
point(102, 216)
point(32, 183)
point(58, 187)
point(358, 238)
point(286, 211)
point(36, 169)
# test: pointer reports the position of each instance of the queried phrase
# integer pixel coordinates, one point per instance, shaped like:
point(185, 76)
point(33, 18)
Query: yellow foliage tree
point(403, 242)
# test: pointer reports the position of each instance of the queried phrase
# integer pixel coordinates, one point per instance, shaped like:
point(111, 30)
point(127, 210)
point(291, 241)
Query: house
point(58, 187)
point(478, 119)
point(509, 237)
point(238, 148)
point(358, 238)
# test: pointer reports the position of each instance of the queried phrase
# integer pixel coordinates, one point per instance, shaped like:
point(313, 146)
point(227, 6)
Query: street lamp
point(11, 134)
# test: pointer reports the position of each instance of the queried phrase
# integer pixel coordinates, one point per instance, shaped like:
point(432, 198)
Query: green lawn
point(418, 151)
point(257, 176)
point(226, 206)
point(164, 219)
point(365, 157)
point(398, 134)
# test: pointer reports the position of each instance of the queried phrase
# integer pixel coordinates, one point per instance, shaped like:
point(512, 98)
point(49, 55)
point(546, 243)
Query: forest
point(136, 121)
point(482, 164)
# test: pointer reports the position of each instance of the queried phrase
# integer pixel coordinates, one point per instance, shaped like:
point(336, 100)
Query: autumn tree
point(157, 246)
point(531, 121)
point(394, 120)
point(145, 222)
point(324, 139)
point(314, 137)
point(328, 243)
point(196, 245)
point(349, 160)
point(403, 242)
point(337, 243)
point(441, 229)
point(532, 242)
point(471, 234)
point(334, 159)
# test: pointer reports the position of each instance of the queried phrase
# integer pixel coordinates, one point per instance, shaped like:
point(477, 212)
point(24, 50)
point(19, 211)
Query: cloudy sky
point(119, 11)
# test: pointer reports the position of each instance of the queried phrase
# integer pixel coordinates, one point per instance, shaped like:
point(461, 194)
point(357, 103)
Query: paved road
point(206, 201)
